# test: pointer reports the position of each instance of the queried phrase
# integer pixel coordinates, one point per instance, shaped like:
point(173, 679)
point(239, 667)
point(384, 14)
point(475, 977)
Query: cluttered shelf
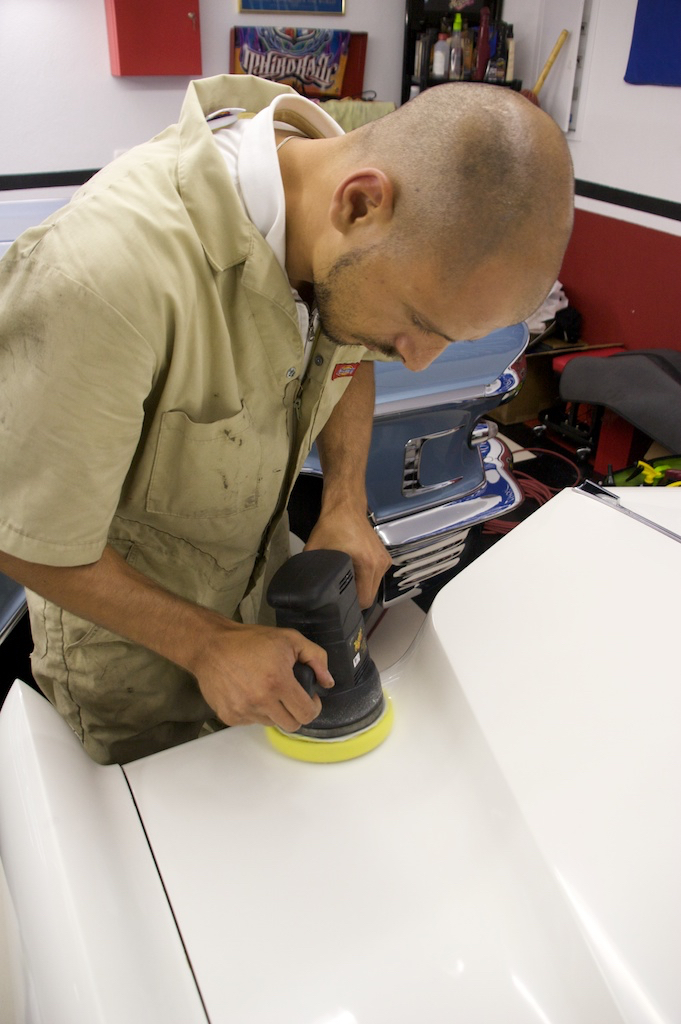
point(441, 45)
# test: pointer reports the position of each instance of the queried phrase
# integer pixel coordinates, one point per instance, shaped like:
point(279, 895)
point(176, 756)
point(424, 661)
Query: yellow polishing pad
point(344, 748)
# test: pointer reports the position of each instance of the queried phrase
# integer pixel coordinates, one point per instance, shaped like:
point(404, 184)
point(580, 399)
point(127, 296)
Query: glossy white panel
point(392, 633)
point(660, 504)
point(398, 888)
point(12, 980)
point(99, 941)
point(576, 688)
point(510, 854)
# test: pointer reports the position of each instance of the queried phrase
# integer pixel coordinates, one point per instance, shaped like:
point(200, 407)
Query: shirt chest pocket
point(205, 470)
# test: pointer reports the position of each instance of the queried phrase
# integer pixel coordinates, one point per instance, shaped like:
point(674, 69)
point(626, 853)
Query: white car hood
point(509, 854)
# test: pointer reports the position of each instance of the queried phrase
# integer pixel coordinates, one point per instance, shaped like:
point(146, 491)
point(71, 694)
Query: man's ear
point(363, 197)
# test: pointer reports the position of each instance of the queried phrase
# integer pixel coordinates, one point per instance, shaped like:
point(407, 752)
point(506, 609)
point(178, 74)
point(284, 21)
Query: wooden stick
point(549, 64)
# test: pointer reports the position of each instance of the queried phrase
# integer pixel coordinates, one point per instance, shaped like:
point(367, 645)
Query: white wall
point(630, 136)
point(62, 109)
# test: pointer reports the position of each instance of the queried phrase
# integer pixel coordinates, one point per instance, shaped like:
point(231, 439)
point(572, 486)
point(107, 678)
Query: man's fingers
point(309, 653)
point(299, 704)
point(370, 570)
point(283, 719)
point(357, 537)
point(368, 581)
point(289, 713)
point(367, 588)
point(250, 679)
point(319, 667)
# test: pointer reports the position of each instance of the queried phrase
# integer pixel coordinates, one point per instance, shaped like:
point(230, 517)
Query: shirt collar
point(209, 197)
point(258, 165)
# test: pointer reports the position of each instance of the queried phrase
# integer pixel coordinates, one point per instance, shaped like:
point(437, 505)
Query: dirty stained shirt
point(151, 363)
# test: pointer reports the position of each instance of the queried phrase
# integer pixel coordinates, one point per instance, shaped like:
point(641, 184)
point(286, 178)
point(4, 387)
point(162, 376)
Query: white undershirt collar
point(250, 150)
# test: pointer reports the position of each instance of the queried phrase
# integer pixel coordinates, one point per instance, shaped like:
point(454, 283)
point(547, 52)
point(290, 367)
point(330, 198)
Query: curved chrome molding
point(498, 495)
point(413, 450)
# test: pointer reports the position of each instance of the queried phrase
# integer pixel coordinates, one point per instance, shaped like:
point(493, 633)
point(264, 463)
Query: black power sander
point(314, 592)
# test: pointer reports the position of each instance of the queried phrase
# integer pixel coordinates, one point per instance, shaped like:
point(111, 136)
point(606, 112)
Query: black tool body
point(314, 592)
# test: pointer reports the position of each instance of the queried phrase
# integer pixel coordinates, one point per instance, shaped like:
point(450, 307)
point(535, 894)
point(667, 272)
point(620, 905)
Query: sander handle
point(307, 679)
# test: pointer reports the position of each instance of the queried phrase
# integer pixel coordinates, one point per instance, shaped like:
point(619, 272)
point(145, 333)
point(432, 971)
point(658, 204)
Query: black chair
point(643, 388)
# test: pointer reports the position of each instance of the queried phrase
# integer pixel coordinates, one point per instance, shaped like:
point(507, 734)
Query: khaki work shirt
point(150, 359)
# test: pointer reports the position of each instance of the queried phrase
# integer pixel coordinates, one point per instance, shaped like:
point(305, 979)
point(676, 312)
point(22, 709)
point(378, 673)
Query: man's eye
point(419, 326)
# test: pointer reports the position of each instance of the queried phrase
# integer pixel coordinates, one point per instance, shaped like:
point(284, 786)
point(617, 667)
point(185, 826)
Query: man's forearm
point(112, 594)
point(244, 672)
point(343, 522)
point(343, 444)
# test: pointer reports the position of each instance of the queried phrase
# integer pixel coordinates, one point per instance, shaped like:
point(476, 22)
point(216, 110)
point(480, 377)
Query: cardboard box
point(540, 389)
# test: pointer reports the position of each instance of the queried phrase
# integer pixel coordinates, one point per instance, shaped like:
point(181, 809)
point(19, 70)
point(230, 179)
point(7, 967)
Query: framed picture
point(292, 6)
point(469, 9)
point(317, 62)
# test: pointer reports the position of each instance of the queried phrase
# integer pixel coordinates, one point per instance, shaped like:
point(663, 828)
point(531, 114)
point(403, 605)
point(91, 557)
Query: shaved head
point(479, 175)
point(439, 222)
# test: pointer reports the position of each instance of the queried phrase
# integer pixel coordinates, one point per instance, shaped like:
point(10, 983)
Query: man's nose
point(418, 353)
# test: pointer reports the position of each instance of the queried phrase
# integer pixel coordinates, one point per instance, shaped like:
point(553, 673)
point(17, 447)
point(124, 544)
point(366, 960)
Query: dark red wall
point(625, 280)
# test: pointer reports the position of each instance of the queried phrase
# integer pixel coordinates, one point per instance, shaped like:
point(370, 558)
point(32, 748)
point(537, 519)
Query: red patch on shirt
point(344, 370)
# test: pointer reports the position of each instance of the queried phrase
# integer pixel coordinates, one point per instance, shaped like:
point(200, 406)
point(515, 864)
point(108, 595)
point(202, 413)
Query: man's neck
point(302, 164)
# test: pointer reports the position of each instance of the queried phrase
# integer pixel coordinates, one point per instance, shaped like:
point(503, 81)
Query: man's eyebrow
point(427, 324)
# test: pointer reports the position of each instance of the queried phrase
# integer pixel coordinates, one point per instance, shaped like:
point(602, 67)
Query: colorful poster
point(293, 6)
point(310, 60)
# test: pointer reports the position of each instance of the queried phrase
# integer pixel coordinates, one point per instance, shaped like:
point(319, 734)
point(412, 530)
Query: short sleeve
point(74, 376)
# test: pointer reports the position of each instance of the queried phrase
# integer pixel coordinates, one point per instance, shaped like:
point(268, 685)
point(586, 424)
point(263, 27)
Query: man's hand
point(245, 674)
point(339, 531)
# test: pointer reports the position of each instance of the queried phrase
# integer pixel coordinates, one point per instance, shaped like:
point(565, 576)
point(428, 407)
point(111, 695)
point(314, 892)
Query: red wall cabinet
point(154, 37)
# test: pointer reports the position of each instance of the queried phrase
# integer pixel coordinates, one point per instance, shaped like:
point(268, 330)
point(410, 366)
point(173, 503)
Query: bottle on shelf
point(441, 57)
point(456, 51)
point(423, 57)
point(482, 50)
point(510, 54)
point(496, 66)
point(418, 47)
point(466, 53)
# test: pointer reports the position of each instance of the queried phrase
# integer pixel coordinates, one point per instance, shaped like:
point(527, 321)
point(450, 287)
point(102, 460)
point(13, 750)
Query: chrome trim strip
point(600, 494)
point(421, 402)
point(506, 383)
point(499, 494)
point(484, 430)
point(411, 473)
point(404, 581)
point(446, 551)
point(420, 577)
